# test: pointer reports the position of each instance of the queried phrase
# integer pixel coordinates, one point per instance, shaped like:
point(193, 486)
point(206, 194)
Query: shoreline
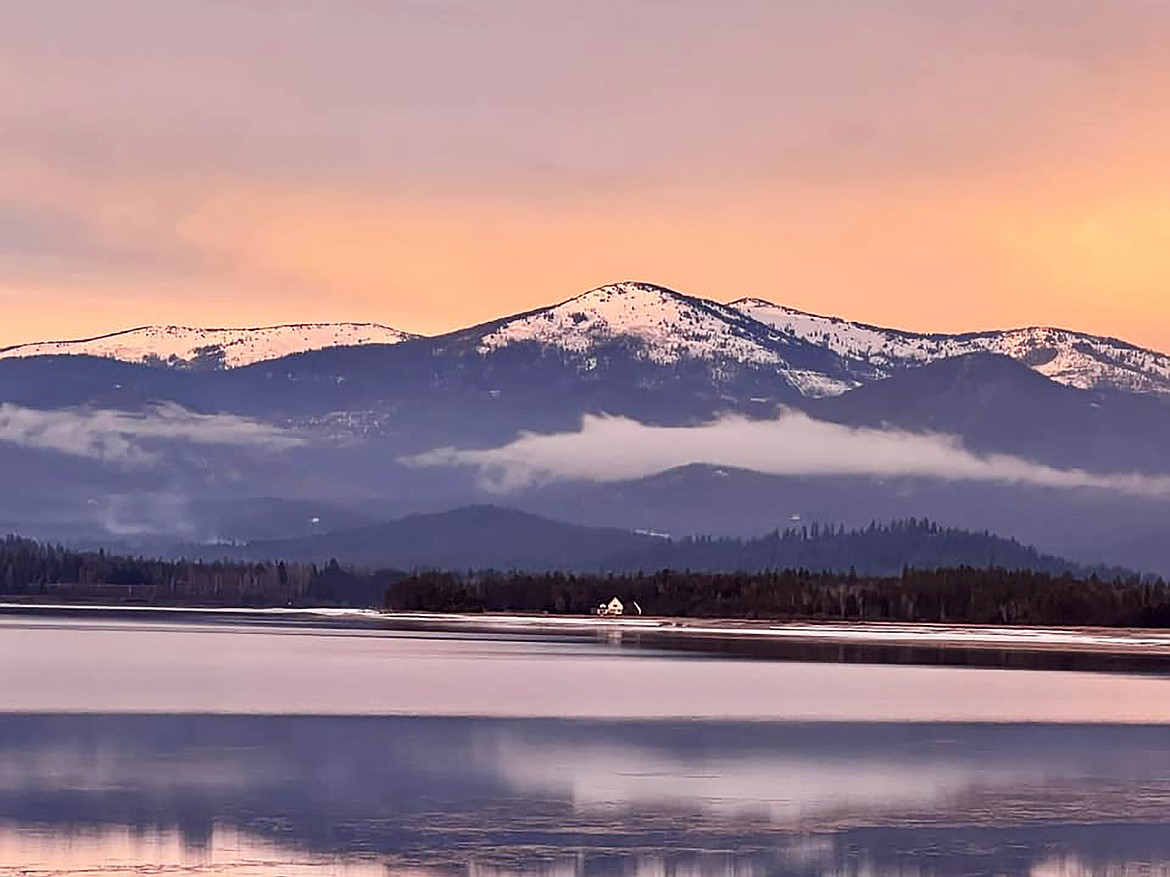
point(1069, 640)
point(1097, 640)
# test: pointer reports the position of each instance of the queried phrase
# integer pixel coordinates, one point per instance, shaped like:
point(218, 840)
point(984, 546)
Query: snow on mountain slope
point(664, 328)
point(183, 346)
point(1087, 362)
point(1083, 361)
point(815, 355)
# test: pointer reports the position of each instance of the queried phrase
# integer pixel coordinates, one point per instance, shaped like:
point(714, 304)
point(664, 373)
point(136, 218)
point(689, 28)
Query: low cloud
point(146, 513)
point(131, 438)
point(617, 449)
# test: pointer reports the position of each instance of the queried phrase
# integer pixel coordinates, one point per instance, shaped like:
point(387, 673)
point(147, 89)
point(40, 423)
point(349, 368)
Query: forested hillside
point(960, 593)
point(30, 570)
point(490, 537)
point(879, 550)
point(963, 595)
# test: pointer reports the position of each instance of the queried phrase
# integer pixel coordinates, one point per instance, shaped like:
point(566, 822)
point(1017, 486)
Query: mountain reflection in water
point(268, 795)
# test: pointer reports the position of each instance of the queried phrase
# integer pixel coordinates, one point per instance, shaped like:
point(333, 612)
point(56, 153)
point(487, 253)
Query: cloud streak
point(131, 438)
point(616, 449)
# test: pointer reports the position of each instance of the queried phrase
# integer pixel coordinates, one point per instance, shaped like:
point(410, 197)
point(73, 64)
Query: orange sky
point(926, 165)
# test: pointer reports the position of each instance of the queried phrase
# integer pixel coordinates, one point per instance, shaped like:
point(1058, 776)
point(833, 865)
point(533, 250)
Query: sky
point(931, 164)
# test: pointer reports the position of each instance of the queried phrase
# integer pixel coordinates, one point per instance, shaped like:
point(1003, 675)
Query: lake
point(194, 743)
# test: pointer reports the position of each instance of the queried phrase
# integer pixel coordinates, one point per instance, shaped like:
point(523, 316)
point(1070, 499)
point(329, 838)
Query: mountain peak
point(626, 296)
point(662, 327)
point(630, 288)
point(667, 324)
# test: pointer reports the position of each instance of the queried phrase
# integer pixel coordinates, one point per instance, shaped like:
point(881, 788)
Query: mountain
point(95, 447)
point(490, 537)
point(662, 327)
point(630, 348)
point(668, 336)
point(1000, 405)
point(476, 537)
point(187, 347)
point(633, 349)
point(815, 355)
point(1075, 359)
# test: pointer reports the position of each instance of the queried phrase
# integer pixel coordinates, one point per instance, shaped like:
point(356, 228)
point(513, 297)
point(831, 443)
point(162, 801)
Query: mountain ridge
point(660, 328)
point(358, 411)
point(178, 346)
point(1077, 359)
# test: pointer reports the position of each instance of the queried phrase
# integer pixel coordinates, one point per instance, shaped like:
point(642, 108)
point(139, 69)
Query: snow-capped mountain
point(1075, 359)
point(188, 347)
point(664, 328)
point(644, 335)
point(354, 408)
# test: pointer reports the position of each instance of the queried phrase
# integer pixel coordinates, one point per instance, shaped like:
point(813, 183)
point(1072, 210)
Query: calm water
point(149, 746)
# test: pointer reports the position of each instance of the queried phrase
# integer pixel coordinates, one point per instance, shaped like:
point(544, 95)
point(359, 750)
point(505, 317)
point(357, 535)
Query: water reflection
point(121, 850)
point(292, 795)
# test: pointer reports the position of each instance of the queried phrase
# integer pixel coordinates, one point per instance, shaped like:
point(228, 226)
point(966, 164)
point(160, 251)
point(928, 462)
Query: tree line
point(33, 571)
point(961, 594)
point(965, 595)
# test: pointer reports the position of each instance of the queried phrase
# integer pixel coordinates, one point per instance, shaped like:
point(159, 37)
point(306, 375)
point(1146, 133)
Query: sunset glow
point(999, 164)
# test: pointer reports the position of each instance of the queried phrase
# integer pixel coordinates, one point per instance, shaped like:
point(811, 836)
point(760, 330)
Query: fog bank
point(618, 449)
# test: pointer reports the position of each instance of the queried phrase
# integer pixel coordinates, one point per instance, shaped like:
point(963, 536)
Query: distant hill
point(879, 549)
point(489, 537)
point(475, 537)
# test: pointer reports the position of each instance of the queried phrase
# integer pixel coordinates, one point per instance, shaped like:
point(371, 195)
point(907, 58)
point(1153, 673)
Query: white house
point(613, 607)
